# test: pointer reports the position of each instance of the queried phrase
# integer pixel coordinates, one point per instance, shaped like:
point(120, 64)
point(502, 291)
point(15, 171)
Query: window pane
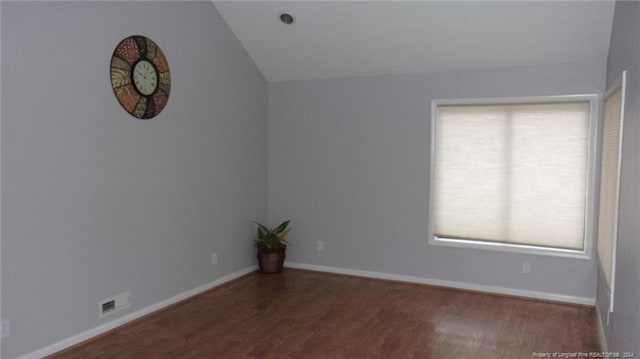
point(470, 172)
point(548, 168)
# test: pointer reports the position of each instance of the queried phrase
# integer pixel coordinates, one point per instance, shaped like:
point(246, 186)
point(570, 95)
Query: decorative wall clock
point(140, 77)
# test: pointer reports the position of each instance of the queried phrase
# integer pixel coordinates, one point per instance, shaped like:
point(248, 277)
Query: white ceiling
point(340, 38)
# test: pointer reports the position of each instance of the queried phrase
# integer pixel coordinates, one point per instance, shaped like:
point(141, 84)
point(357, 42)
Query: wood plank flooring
point(303, 314)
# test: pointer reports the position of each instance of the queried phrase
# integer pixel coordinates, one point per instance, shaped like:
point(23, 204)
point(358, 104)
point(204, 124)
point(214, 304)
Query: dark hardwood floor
point(303, 314)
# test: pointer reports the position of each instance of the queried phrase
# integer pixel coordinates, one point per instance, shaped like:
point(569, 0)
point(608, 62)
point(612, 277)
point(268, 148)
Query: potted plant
point(271, 246)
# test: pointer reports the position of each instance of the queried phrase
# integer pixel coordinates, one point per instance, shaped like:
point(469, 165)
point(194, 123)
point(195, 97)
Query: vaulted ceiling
point(332, 39)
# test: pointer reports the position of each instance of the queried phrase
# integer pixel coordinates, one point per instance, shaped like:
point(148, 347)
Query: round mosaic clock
point(140, 77)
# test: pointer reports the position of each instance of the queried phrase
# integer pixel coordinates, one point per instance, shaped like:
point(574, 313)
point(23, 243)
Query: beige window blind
point(609, 182)
point(512, 173)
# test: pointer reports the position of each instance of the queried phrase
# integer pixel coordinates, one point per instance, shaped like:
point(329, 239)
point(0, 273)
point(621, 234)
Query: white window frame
point(590, 221)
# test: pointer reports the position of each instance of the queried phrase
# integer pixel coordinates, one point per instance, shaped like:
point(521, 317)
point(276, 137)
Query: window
point(513, 174)
point(610, 181)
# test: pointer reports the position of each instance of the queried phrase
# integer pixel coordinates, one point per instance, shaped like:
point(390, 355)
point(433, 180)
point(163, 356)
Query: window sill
point(509, 248)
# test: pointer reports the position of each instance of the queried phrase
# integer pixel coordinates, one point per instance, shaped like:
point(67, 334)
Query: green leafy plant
point(272, 238)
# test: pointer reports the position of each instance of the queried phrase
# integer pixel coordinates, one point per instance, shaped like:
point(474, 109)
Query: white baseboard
point(601, 336)
point(449, 284)
point(68, 342)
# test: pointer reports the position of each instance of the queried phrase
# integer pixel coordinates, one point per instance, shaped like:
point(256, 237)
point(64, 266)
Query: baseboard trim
point(449, 284)
point(600, 327)
point(78, 338)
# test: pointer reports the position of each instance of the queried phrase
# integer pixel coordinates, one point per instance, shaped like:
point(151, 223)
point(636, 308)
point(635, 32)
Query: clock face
point(140, 77)
point(145, 77)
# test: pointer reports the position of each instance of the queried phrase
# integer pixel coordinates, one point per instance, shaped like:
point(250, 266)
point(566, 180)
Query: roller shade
point(512, 173)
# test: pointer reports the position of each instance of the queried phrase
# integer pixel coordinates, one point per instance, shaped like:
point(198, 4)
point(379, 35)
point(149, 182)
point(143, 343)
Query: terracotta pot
point(271, 260)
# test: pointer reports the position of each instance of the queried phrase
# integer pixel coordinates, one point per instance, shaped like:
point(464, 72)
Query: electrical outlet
point(214, 258)
point(4, 328)
point(526, 267)
point(320, 246)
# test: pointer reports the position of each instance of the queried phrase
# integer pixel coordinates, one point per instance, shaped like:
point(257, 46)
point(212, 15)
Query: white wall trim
point(449, 284)
point(78, 338)
point(601, 333)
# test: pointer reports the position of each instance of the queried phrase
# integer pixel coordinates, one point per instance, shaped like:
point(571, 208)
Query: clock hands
point(145, 77)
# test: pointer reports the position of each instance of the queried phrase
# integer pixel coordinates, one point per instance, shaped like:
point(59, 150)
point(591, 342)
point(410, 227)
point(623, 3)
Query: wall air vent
point(109, 306)
point(114, 304)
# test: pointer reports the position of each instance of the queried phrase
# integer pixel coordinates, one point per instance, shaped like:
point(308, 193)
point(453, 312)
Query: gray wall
point(95, 202)
point(623, 333)
point(349, 163)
